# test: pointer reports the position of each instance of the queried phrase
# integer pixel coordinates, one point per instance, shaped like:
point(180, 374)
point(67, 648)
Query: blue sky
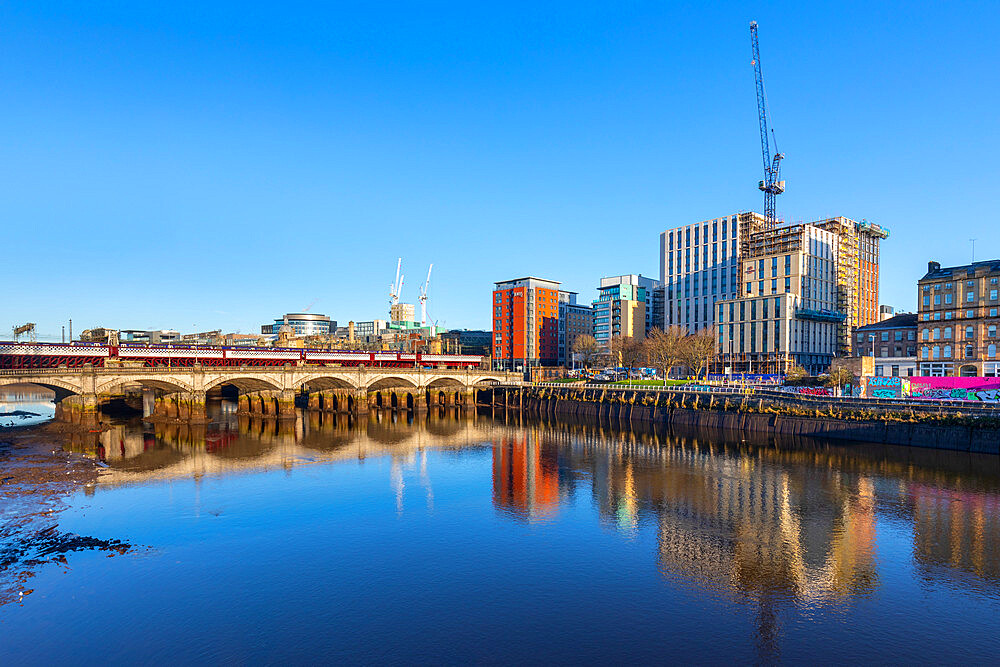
point(213, 165)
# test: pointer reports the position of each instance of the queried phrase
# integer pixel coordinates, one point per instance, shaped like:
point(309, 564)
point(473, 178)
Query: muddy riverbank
point(36, 478)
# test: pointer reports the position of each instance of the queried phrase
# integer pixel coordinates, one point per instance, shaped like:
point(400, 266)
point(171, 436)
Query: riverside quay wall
point(974, 429)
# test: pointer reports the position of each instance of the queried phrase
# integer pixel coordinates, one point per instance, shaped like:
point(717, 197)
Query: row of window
point(969, 315)
point(948, 286)
point(970, 297)
point(884, 336)
point(704, 234)
point(970, 333)
point(937, 352)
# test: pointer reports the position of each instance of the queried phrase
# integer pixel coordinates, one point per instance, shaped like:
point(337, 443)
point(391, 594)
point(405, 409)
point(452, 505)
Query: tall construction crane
point(423, 298)
point(771, 185)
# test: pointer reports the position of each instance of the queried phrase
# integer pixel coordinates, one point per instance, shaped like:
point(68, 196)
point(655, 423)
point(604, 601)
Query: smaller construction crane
point(28, 328)
point(397, 285)
point(423, 297)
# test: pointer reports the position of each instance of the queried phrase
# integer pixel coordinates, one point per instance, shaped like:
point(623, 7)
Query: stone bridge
point(181, 392)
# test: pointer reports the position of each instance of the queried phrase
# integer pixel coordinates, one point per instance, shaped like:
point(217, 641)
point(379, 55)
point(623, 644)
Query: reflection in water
point(25, 405)
point(783, 528)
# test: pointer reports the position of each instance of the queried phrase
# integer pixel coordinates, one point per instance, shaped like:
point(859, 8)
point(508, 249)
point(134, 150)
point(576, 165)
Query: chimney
point(350, 331)
point(933, 266)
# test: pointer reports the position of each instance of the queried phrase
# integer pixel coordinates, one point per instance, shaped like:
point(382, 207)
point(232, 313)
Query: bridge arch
point(321, 381)
point(243, 383)
point(170, 385)
point(390, 382)
point(61, 388)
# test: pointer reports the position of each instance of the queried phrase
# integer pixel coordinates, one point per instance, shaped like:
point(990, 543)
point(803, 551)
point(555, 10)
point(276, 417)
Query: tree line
point(663, 349)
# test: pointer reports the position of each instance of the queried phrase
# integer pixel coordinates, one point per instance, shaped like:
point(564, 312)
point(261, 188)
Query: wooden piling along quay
point(961, 427)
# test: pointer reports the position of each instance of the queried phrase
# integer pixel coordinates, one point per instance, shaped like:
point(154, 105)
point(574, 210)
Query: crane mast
point(771, 185)
point(397, 285)
point(423, 297)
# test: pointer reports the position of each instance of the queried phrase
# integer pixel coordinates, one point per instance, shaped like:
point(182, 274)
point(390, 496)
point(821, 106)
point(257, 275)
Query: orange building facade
point(525, 323)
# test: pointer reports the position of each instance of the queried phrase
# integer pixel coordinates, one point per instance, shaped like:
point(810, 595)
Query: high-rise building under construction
point(804, 289)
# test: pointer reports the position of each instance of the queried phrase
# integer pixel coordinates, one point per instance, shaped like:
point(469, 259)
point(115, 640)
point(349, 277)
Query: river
point(476, 538)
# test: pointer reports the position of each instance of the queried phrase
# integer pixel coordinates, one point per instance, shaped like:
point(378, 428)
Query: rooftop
point(901, 321)
point(935, 270)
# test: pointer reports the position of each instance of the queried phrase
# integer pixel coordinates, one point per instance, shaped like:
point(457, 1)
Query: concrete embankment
point(741, 414)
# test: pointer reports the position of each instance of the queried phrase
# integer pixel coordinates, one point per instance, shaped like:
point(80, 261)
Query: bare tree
point(699, 350)
point(665, 348)
point(628, 351)
point(587, 347)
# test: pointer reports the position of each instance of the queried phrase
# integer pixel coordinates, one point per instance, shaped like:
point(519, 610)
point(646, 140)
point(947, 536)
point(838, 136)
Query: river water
point(481, 539)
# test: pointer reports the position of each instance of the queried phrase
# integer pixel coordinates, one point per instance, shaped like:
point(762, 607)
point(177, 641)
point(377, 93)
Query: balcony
point(819, 315)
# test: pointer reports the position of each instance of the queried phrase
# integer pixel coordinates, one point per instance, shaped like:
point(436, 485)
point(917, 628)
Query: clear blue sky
point(214, 165)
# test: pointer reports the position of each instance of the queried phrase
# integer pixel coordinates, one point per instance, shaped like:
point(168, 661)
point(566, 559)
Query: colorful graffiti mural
point(885, 387)
point(750, 378)
point(981, 389)
point(808, 391)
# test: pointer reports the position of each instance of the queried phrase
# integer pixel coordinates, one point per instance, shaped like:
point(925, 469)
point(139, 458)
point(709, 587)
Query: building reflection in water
point(525, 477)
point(773, 523)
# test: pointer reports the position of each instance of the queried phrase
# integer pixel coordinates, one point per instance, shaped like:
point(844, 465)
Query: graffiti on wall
point(885, 387)
point(808, 391)
point(981, 389)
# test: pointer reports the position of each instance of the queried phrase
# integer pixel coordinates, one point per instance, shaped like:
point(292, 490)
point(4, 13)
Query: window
point(993, 295)
point(947, 299)
point(937, 351)
point(993, 312)
point(991, 351)
point(970, 297)
point(937, 334)
point(925, 334)
point(923, 353)
point(911, 335)
point(927, 300)
point(937, 299)
point(947, 315)
point(969, 314)
point(947, 332)
point(898, 335)
point(947, 351)
point(885, 336)
point(970, 333)
point(991, 331)
point(970, 352)
point(861, 337)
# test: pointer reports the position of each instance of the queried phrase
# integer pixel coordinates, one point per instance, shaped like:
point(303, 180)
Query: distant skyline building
point(402, 313)
point(525, 323)
point(621, 307)
point(303, 324)
point(575, 320)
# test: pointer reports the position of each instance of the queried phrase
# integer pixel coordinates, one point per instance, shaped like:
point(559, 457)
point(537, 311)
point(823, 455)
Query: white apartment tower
point(700, 265)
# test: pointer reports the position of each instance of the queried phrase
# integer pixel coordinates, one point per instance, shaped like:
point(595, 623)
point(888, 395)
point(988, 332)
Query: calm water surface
point(472, 539)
